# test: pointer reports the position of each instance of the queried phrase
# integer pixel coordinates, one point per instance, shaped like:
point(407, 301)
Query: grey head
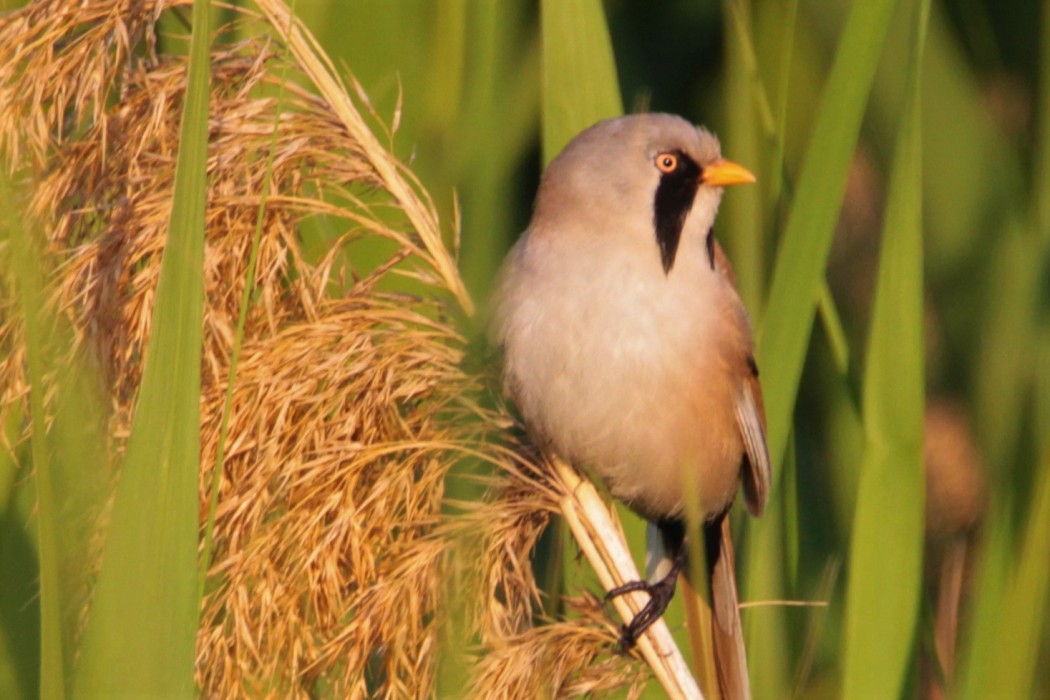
point(646, 170)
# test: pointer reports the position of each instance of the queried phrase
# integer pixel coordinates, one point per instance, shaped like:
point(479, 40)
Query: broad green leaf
point(749, 133)
point(803, 252)
point(19, 582)
point(1002, 377)
point(493, 133)
point(885, 565)
point(53, 661)
point(1010, 617)
point(70, 469)
point(579, 74)
point(741, 214)
point(799, 278)
point(991, 579)
point(141, 633)
point(1024, 612)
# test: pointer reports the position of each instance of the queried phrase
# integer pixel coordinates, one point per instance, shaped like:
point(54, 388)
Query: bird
point(626, 346)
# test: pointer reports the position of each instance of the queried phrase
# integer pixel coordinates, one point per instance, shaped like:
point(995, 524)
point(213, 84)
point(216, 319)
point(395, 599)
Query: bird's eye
point(667, 162)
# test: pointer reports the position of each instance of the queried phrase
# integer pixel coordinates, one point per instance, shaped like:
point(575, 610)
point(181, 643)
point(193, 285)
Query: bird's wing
point(751, 417)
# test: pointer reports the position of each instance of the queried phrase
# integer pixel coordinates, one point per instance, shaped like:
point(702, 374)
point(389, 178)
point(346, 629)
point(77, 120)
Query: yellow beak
point(725, 172)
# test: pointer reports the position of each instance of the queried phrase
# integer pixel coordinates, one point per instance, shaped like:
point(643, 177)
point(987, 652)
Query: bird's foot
point(660, 594)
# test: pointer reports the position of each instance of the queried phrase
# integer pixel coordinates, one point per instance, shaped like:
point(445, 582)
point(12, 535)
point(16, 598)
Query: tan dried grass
point(569, 658)
point(333, 554)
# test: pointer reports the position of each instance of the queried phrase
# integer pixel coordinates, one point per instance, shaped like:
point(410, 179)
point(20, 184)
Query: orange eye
point(667, 162)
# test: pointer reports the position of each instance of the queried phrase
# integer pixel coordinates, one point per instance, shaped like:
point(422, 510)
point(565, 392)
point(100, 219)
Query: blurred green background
point(466, 81)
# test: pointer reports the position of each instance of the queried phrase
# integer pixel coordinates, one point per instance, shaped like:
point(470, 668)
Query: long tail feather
point(730, 656)
point(713, 618)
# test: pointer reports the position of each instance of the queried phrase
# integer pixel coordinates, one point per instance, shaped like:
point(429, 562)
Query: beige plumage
point(626, 346)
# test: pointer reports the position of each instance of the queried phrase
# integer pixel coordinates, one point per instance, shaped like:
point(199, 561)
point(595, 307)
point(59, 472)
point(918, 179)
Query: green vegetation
point(894, 253)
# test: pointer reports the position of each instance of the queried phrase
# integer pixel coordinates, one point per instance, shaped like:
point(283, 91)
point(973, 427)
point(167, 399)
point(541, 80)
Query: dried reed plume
point(333, 558)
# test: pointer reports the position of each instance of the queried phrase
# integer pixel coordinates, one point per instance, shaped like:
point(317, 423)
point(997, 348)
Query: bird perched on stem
point(628, 350)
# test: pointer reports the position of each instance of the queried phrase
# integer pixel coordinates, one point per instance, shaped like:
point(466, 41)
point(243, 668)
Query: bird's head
point(647, 176)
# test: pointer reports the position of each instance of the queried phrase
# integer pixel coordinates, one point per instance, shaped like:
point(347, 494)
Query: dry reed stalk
point(397, 179)
point(604, 544)
point(333, 555)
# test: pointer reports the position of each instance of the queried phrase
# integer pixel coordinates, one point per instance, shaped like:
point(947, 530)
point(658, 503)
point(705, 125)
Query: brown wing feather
point(751, 418)
point(757, 470)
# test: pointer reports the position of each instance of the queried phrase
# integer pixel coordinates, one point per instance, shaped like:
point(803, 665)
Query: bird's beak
point(725, 172)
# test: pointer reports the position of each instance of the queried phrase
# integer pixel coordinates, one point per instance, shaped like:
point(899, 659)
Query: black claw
point(628, 587)
point(660, 594)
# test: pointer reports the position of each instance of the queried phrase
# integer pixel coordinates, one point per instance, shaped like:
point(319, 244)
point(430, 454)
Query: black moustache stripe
point(673, 200)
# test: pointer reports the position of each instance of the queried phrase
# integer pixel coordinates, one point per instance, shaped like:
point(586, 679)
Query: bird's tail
point(727, 632)
point(713, 618)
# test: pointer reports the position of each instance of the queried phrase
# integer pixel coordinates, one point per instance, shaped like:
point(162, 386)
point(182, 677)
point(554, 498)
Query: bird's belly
point(637, 391)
